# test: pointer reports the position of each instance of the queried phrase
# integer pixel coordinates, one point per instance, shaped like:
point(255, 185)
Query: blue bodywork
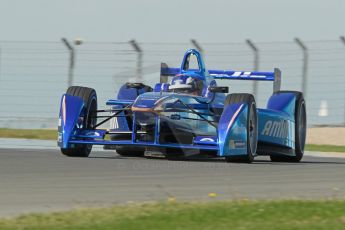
point(166, 120)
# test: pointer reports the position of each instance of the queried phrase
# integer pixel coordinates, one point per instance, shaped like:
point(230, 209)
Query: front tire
point(252, 126)
point(300, 130)
point(89, 97)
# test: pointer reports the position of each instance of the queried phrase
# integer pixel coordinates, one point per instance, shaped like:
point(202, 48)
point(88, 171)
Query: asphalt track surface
point(44, 180)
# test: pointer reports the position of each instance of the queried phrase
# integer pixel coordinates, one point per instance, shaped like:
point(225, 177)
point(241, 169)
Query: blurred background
point(34, 75)
point(46, 46)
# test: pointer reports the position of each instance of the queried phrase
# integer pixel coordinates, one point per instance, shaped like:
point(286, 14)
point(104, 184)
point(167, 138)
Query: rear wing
point(274, 76)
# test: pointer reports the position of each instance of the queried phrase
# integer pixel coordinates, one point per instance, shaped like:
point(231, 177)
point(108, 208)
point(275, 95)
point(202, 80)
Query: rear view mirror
point(218, 89)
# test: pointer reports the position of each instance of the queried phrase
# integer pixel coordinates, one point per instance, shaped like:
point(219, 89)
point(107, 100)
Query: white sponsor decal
point(236, 74)
point(207, 139)
point(92, 134)
point(240, 74)
point(279, 129)
point(237, 144)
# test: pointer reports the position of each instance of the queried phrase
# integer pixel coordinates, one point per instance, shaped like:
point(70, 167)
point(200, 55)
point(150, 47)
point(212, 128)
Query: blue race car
point(185, 114)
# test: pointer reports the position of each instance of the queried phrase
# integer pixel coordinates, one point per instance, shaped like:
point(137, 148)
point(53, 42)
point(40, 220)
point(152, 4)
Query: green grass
point(325, 148)
point(217, 215)
point(51, 134)
point(43, 134)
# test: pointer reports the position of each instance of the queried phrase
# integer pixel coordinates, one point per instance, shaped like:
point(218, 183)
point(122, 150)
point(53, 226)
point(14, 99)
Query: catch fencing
point(34, 74)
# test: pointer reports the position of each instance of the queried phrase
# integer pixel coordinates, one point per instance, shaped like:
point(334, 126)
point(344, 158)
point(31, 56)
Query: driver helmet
point(186, 84)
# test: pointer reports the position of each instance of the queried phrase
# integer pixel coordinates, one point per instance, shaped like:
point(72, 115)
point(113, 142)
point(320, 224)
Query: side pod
point(232, 131)
point(70, 110)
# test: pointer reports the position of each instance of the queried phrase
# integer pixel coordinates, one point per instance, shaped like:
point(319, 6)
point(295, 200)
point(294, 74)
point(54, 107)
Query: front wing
point(230, 138)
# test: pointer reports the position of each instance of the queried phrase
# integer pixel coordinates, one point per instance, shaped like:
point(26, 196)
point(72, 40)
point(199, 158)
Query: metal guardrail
point(33, 75)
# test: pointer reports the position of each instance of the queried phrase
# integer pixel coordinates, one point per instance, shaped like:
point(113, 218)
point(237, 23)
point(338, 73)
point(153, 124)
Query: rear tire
point(174, 154)
point(300, 130)
point(128, 152)
point(252, 126)
point(89, 97)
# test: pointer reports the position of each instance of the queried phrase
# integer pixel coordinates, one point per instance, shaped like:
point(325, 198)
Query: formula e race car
point(185, 114)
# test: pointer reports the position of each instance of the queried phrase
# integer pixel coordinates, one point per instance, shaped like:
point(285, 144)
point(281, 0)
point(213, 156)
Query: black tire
point(89, 97)
point(126, 151)
point(129, 152)
point(300, 130)
point(252, 126)
point(174, 154)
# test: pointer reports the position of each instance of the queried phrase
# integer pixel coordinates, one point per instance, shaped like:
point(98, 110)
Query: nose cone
point(147, 102)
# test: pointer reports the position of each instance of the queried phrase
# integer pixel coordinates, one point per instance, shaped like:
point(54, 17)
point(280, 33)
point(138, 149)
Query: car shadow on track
point(308, 161)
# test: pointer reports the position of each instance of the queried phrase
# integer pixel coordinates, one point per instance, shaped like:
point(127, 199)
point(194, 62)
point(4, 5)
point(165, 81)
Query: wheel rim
point(253, 131)
point(302, 126)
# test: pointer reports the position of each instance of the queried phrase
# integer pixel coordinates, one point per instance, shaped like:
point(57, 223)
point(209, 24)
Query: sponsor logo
point(237, 144)
point(175, 117)
point(92, 134)
point(240, 74)
point(278, 129)
point(240, 144)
